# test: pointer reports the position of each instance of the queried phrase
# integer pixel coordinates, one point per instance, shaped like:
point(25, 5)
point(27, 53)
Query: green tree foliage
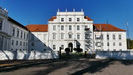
point(78, 50)
point(129, 44)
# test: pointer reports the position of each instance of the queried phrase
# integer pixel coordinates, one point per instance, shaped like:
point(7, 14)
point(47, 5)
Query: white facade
point(111, 41)
point(13, 35)
point(66, 29)
point(69, 27)
point(38, 41)
point(19, 39)
point(5, 34)
point(78, 30)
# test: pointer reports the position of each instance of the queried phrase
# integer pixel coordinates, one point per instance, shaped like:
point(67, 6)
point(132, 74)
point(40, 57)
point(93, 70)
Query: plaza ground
point(67, 66)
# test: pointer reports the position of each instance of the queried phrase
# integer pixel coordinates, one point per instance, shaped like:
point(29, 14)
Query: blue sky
point(117, 12)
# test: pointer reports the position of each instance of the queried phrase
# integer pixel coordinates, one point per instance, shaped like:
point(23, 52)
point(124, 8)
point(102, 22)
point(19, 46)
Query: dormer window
point(62, 19)
point(1, 24)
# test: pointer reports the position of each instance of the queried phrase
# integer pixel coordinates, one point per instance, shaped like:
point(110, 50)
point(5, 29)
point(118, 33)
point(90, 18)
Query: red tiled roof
point(37, 28)
point(106, 27)
point(53, 17)
point(86, 17)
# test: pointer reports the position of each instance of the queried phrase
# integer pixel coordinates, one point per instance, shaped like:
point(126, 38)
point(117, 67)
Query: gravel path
point(75, 66)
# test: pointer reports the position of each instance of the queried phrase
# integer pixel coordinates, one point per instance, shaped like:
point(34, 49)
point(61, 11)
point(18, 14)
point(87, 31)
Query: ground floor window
point(62, 46)
point(54, 46)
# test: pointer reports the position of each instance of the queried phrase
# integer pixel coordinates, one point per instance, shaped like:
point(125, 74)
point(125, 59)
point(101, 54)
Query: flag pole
point(128, 36)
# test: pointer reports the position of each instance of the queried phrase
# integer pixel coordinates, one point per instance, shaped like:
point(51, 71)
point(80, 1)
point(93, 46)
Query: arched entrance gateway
point(70, 45)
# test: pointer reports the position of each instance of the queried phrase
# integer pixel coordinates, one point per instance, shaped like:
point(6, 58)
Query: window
point(70, 35)
point(70, 19)
point(78, 36)
point(54, 27)
point(62, 19)
point(13, 31)
point(120, 44)
point(54, 47)
point(16, 42)
point(70, 27)
point(62, 46)
point(54, 36)
point(108, 44)
point(17, 33)
point(62, 27)
point(62, 36)
point(20, 43)
point(107, 37)
point(21, 34)
point(23, 43)
point(78, 19)
point(113, 37)
point(114, 44)
point(119, 37)
point(85, 26)
point(32, 37)
point(32, 44)
point(12, 42)
point(24, 35)
point(27, 36)
point(1, 24)
point(78, 28)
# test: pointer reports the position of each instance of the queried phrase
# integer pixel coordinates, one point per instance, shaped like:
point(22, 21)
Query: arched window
point(54, 36)
point(62, 36)
point(78, 36)
point(78, 28)
point(70, 35)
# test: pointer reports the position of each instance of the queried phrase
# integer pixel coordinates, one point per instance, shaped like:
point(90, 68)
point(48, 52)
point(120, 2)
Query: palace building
point(66, 30)
point(74, 29)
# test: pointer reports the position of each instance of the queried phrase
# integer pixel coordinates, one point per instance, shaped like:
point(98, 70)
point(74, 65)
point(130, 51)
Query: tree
point(67, 51)
point(79, 50)
point(129, 44)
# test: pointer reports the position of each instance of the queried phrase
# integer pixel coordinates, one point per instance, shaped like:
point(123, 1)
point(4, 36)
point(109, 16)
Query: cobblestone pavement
point(73, 66)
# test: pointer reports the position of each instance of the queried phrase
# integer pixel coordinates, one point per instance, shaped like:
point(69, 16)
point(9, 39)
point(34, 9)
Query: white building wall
point(112, 47)
point(38, 41)
point(66, 23)
point(5, 34)
point(22, 38)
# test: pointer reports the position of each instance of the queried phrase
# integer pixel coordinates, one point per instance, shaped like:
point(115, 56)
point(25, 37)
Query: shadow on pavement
point(79, 66)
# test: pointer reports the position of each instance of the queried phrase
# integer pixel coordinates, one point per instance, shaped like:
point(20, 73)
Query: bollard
point(59, 52)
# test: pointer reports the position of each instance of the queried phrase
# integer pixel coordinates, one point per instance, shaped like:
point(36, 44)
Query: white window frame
point(62, 27)
point(70, 27)
point(62, 36)
point(54, 27)
point(78, 36)
point(78, 27)
point(62, 19)
point(54, 46)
